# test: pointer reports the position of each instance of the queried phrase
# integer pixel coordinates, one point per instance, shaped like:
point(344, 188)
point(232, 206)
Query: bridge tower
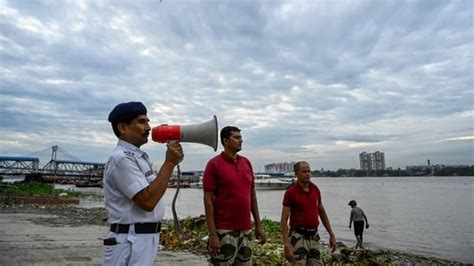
point(54, 152)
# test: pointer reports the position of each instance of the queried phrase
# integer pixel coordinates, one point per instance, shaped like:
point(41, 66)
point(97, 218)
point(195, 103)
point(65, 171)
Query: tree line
point(467, 170)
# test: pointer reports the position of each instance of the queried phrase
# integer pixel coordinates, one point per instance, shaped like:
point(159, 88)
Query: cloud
point(319, 81)
point(460, 138)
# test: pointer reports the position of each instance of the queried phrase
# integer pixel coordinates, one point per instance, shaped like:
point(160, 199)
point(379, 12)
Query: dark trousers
point(359, 228)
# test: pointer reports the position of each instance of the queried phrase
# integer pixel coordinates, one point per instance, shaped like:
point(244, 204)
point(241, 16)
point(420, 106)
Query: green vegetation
point(459, 171)
point(462, 170)
point(35, 189)
point(271, 253)
point(194, 239)
point(195, 233)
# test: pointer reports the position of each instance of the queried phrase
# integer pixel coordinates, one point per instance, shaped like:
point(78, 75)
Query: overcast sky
point(319, 81)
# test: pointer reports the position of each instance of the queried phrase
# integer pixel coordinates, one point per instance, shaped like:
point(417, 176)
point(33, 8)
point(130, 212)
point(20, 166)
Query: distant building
point(279, 167)
point(372, 161)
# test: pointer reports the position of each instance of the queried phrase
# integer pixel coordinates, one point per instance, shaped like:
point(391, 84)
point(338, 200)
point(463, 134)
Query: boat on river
point(270, 182)
point(264, 182)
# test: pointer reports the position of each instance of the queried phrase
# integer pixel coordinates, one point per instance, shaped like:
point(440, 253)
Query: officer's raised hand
point(174, 153)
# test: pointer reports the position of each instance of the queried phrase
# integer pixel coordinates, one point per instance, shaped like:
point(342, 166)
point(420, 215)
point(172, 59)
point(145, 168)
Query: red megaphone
point(204, 133)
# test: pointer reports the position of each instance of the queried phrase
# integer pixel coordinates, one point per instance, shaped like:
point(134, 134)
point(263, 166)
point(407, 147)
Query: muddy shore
point(63, 235)
point(37, 226)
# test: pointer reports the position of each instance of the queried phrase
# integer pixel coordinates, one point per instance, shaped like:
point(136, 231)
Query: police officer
point(132, 191)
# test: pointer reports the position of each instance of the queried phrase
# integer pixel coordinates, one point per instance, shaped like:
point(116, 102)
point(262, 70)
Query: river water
point(422, 215)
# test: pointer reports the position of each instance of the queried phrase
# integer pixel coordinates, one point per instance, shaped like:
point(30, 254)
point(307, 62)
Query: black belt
point(304, 231)
point(140, 228)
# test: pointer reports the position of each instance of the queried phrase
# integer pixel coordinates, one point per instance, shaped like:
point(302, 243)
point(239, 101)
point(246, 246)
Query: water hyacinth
point(195, 235)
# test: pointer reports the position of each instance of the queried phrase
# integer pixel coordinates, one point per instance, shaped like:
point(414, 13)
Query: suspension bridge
point(30, 167)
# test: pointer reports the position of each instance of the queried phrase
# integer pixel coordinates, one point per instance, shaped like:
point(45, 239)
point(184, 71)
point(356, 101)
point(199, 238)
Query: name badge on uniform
point(147, 174)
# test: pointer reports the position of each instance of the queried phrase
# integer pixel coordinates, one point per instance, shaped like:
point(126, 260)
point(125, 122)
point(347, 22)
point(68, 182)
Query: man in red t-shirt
point(302, 204)
point(229, 198)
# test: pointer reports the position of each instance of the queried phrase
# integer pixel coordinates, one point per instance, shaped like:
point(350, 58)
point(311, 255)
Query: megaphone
point(204, 133)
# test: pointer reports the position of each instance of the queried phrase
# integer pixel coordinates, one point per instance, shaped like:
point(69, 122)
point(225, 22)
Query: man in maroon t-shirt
point(229, 198)
point(302, 204)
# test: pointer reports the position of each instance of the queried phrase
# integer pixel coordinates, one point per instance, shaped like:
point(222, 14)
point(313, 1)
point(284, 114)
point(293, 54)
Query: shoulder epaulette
point(129, 153)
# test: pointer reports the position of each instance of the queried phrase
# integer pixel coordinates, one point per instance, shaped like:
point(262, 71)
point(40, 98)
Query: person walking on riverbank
point(132, 191)
point(358, 216)
point(229, 199)
point(302, 204)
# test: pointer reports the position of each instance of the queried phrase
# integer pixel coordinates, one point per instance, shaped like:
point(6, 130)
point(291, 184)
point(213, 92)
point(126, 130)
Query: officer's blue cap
point(126, 112)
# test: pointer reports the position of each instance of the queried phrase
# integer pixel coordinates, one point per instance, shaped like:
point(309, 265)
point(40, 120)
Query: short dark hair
point(125, 113)
point(296, 167)
point(226, 132)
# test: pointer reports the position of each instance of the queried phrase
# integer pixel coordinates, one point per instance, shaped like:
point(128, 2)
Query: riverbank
point(65, 234)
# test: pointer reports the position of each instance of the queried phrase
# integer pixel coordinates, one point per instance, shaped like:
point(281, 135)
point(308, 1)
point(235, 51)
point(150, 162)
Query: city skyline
point(319, 81)
point(44, 156)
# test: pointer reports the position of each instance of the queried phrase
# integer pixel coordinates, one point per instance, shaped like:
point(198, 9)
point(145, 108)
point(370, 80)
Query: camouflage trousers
point(235, 248)
point(305, 249)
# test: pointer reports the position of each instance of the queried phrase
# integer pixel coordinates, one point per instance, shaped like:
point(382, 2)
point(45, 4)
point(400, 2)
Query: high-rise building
point(280, 167)
point(372, 161)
